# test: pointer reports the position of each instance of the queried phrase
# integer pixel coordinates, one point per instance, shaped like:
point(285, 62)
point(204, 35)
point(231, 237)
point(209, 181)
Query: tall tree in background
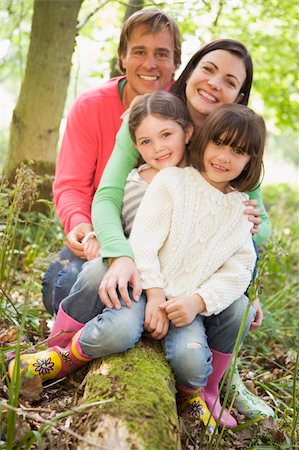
point(36, 118)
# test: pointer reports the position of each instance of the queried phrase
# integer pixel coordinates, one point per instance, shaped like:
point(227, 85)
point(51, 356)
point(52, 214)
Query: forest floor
point(45, 405)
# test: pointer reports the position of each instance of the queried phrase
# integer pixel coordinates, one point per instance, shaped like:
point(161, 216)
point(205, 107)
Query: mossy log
point(142, 412)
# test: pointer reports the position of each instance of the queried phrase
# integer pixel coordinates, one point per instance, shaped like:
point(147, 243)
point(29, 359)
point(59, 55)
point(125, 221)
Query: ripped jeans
point(187, 349)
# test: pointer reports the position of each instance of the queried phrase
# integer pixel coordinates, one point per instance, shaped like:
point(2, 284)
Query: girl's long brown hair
point(237, 126)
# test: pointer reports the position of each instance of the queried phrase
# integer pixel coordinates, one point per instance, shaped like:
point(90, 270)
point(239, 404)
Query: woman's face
point(216, 80)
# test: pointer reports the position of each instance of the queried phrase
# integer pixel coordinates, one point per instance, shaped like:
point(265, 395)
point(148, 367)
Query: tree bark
point(142, 412)
point(36, 118)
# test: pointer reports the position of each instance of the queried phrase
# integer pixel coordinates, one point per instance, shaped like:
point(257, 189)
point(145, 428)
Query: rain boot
point(63, 329)
point(53, 363)
point(191, 403)
point(61, 334)
point(220, 363)
point(245, 401)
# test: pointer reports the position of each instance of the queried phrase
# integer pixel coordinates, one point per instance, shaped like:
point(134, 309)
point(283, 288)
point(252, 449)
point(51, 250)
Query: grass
point(269, 356)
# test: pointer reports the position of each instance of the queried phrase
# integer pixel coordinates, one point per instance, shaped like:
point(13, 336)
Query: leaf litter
point(42, 403)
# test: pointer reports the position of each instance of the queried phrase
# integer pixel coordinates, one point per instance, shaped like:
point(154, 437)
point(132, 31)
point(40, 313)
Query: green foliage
point(277, 339)
point(267, 27)
point(23, 238)
point(15, 26)
point(281, 283)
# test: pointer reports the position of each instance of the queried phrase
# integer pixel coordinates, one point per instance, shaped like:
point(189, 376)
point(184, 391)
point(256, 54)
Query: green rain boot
point(245, 401)
point(53, 363)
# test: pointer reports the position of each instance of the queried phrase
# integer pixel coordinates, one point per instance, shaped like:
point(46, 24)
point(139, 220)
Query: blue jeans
point(59, 278)
point(187, 349)
point(105, 331)
point(113, 331)
point(83, 302)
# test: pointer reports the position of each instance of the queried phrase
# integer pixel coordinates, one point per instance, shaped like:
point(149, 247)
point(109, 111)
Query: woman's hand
point(181, 311)
point(258, 319)
point(254, 215)
point(122, 271)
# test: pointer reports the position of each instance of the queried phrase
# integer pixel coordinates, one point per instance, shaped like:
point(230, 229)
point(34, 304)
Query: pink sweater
point(87, 144)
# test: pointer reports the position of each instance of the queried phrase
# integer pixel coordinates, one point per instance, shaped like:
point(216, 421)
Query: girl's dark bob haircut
point(239, 127)
point(229, 45)
point(159, 104)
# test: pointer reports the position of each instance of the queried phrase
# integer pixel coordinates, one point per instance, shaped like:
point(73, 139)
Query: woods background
point(50, 52)
point(72, 47)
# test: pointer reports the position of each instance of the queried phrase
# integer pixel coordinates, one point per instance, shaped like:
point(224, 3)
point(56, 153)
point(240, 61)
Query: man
point(149, 53)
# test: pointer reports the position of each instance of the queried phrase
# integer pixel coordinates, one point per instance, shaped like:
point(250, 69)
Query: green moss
point(141, 384)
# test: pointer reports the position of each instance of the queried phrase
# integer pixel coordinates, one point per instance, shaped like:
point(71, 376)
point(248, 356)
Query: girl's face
point(216, 80)
point(223, 164)
point(162, 142)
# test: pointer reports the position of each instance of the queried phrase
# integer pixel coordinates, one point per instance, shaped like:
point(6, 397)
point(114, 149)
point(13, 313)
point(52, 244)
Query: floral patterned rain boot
point(245, 401)
point(191, 403)
point(53, 363)
point(61, 334)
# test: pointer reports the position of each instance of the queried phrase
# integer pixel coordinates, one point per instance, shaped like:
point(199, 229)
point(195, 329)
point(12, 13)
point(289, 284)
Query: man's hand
point(75, 236)
point(258, 319)
point(156, 321)
point(254, 215)
point(122, 271)
point(181, 311)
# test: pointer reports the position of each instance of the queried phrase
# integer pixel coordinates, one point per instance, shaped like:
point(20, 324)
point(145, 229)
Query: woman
point(220, 72)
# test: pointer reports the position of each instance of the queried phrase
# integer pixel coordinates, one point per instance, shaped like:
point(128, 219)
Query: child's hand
point(181, 311)
point(258, 319)
point(156, 321)
point(91, 248)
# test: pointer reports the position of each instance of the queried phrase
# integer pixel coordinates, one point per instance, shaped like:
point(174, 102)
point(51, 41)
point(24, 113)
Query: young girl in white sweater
point(193, 247)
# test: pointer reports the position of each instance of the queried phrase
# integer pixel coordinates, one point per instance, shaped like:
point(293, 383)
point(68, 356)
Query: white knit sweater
point(188, 237)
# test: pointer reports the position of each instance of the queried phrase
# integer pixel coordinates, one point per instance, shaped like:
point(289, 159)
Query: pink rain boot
point(53, 363)
point(220, 363)
point(61, 334)
point(63, 329)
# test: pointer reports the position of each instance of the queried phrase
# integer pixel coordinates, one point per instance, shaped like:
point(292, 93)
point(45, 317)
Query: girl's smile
point(162, 142)
point(223, 164)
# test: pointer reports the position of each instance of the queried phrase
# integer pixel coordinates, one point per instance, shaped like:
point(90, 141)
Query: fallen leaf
point(31, 389)
point(9, 335)
point(269, 424)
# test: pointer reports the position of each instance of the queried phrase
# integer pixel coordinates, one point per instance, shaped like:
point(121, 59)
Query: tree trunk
point(142, 412)
point(36, 118)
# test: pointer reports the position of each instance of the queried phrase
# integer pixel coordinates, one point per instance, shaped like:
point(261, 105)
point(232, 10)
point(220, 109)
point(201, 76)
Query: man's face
point(149, 61)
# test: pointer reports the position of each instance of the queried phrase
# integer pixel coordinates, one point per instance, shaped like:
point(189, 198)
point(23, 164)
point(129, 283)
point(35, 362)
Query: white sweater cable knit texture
point(188, 237)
